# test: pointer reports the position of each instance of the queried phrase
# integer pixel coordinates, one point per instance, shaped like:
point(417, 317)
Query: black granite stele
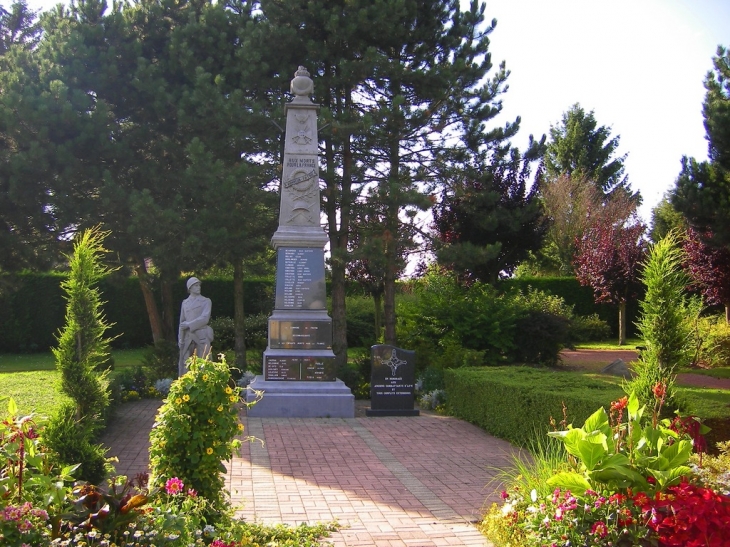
point(392, 382)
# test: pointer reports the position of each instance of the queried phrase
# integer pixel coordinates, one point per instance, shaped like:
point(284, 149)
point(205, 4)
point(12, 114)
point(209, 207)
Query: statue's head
point(192, 281)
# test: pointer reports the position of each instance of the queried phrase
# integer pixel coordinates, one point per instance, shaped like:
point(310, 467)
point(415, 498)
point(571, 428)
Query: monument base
point(284, 399)
point(392, 412)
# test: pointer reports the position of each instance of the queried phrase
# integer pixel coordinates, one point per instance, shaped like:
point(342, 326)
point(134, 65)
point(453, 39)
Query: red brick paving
point(388, 481)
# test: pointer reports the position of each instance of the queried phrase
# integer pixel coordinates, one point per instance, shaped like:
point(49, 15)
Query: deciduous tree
point(708, 267)
point(608, 259)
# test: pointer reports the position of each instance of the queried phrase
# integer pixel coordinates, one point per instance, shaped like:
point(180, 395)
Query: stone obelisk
point(299, 377)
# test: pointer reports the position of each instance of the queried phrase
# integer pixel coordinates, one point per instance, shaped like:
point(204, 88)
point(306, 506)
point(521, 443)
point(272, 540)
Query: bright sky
point(638, 64)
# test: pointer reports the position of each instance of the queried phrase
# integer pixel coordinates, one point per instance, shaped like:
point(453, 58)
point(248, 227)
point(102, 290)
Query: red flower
point(660, 390)
point(620, 404)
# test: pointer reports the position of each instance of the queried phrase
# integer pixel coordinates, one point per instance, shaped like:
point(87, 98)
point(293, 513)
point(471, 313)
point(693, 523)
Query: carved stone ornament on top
point(300, 177)
point(302, 85)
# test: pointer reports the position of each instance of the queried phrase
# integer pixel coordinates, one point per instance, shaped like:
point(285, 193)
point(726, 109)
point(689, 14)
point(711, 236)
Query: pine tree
point(702, 190)
point(578, 146)
point(488, 222)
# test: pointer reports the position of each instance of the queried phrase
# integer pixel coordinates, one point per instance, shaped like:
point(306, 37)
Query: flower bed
point(626, 478)
point(182, 504)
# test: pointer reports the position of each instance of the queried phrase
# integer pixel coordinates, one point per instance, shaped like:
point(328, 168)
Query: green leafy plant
point(196, 429)
point(161, 360)
point(31, 488)
point(645, 455)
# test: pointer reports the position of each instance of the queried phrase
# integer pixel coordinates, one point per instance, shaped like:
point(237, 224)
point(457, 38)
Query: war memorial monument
point(299, 378)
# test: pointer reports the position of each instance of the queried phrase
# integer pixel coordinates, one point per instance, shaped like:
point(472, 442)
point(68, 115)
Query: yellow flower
point(210, 421)
point(186, 397)
point(205, 377)
point(240, 427)
point(232, 398)
point(229, 390)
point(178, 401)
point(209, 451)
point(220, 408)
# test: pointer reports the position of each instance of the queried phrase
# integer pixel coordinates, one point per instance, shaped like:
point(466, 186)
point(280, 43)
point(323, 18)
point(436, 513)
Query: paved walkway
point(388, 481)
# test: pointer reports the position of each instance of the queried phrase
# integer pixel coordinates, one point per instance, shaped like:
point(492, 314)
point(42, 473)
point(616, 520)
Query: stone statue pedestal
point(299, 379)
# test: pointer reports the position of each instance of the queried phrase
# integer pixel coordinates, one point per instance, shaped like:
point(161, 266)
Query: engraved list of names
point(300, 283)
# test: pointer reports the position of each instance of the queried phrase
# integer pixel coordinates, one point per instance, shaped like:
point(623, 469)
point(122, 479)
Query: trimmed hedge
point(516, 403)
point(33, 308)
point(580, 297)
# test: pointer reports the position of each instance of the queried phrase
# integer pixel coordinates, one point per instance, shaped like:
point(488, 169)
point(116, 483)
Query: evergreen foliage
point(665, 218)
point(702, 191)
point(83, 351)
point(665, 322)
point(81, 356)
point(578, 146)
point(490, 220)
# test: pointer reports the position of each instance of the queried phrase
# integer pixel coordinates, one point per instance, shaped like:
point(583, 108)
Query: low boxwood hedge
point(517, 403)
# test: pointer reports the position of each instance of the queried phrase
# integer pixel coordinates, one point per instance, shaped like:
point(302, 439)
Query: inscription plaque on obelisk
point(299, 377)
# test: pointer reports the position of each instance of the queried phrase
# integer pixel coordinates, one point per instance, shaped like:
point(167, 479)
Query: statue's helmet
point(192, 281)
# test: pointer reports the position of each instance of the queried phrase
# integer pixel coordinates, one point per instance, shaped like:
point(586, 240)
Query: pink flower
point(599, 529)
point(174, 486)
point(192, 493)
point(559, 514)
point(504, 494)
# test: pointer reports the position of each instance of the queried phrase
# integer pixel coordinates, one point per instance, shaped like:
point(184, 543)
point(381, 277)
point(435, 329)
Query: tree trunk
point(378, 301)
point(389, 279)
point(238, 315)
point(727, 313)
point(339, 319)
point(153, 312)
point(337, 207)
point(170, 312)
point(622, 323)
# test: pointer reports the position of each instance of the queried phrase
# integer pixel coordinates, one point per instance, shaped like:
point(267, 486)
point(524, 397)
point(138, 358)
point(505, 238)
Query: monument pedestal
point(301, 399)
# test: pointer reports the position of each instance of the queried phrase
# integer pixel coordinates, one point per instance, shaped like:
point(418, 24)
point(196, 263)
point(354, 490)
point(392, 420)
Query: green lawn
point(631, 344)
point(16, 362)
point(32, 380)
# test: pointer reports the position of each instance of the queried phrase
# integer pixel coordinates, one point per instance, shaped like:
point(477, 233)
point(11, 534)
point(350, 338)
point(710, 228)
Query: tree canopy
point(702, 190)
point(578, 146)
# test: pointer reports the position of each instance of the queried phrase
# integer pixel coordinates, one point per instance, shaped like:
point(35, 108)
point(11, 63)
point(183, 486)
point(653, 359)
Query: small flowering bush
point(41, 506)
point(24, 525)
point(433, 399)
point(196, 429)
point(563, 519)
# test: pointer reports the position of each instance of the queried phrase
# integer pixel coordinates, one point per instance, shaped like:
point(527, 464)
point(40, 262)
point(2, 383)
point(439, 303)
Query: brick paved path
point(418, 481)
